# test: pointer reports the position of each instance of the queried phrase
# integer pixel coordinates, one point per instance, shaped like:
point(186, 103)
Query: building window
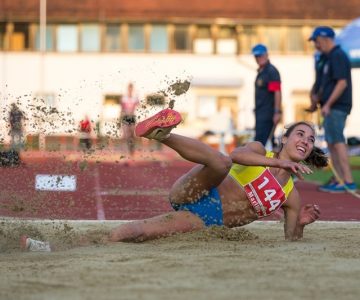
point(49, 38)
point(226, 42)
point(50, 100)
point(230, 105)
point(46, 99)
point(218, 111)
point(46, 117)
point(2, 35)
point(203, 32)
point(181, 38)
point(294, 40)
point(159, 39)
point(90, 38)
point(67, 38)
point(111, 108)
point(248, 38)
point(301, 102)
point(20, 37)
point(207, 106)
point(272, 38)
point(113, 99)
point(113, 37)
point(136, 40)
point(227, 32)
point(155, 99)
point(203, 43)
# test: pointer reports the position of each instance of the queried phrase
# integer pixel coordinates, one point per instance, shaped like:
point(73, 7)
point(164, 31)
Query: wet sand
point(253, 262)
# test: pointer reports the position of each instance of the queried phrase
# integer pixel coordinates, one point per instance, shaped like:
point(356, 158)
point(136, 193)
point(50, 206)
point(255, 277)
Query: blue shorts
point(208, 208)
point(334, 125)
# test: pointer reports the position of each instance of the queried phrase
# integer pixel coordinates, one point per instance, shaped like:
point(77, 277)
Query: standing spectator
point(335, 98)
point(129, 103)
point(267, 96)
point(85, 133)
point(16, 117)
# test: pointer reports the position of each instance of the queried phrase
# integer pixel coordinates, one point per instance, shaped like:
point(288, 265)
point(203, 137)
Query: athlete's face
point(299, 144)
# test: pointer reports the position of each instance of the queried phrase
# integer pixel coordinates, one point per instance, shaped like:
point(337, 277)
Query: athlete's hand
point(297, 169)
point(309, 214)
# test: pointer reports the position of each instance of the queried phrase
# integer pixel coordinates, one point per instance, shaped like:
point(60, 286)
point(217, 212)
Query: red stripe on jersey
point(274, 86)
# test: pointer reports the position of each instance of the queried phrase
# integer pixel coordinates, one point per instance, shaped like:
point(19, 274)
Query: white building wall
point(80, 81)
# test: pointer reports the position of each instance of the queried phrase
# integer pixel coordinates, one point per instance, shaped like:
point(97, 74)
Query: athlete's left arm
point(291, 213)
point(296, 217)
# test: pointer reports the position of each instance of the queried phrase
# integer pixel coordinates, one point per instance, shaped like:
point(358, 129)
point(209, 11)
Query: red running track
point(121, 190)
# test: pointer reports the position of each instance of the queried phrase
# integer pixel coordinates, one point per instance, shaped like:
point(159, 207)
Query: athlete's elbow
point(237, 155)
point(226, 163)
point(241, 157)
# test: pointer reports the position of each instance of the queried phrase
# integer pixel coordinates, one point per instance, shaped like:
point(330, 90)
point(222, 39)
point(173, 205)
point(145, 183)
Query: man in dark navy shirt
point(267, 96)
point(335, 98)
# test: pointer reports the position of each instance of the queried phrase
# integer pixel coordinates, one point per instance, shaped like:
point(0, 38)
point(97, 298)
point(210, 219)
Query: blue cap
point(323, 31)
point(259, 50)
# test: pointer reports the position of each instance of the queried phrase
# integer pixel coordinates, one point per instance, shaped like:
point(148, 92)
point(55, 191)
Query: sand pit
point(253, 262)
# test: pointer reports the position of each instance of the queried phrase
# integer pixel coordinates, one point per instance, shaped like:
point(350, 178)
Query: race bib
point(265, 194)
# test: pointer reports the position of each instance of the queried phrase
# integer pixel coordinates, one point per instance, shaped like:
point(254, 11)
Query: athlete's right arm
point(254, 154)
point(251, 154)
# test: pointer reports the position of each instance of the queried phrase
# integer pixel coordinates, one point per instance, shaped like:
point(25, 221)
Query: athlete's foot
point(159, 126)
point(28, 244)
point(129, 232)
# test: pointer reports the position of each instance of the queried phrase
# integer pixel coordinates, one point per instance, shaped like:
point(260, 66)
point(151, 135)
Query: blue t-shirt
point(335, 68)
point(266, 79)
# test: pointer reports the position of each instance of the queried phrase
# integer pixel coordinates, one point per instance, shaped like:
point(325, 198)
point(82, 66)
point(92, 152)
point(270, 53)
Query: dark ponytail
point(317, 158)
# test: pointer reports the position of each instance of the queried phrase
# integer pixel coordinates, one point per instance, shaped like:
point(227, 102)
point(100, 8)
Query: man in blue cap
point(267, 96)
point(334, 95)
point(320, 59)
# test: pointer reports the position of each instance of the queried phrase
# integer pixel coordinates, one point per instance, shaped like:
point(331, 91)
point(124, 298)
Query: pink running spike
point(163, 119)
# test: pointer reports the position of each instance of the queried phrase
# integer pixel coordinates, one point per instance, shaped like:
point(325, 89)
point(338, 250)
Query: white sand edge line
point(94, 222)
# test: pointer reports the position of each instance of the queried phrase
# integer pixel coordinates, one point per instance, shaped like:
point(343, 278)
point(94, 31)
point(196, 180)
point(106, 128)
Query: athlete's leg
point(156, 227)
point(213, 166)
point(211, 170)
